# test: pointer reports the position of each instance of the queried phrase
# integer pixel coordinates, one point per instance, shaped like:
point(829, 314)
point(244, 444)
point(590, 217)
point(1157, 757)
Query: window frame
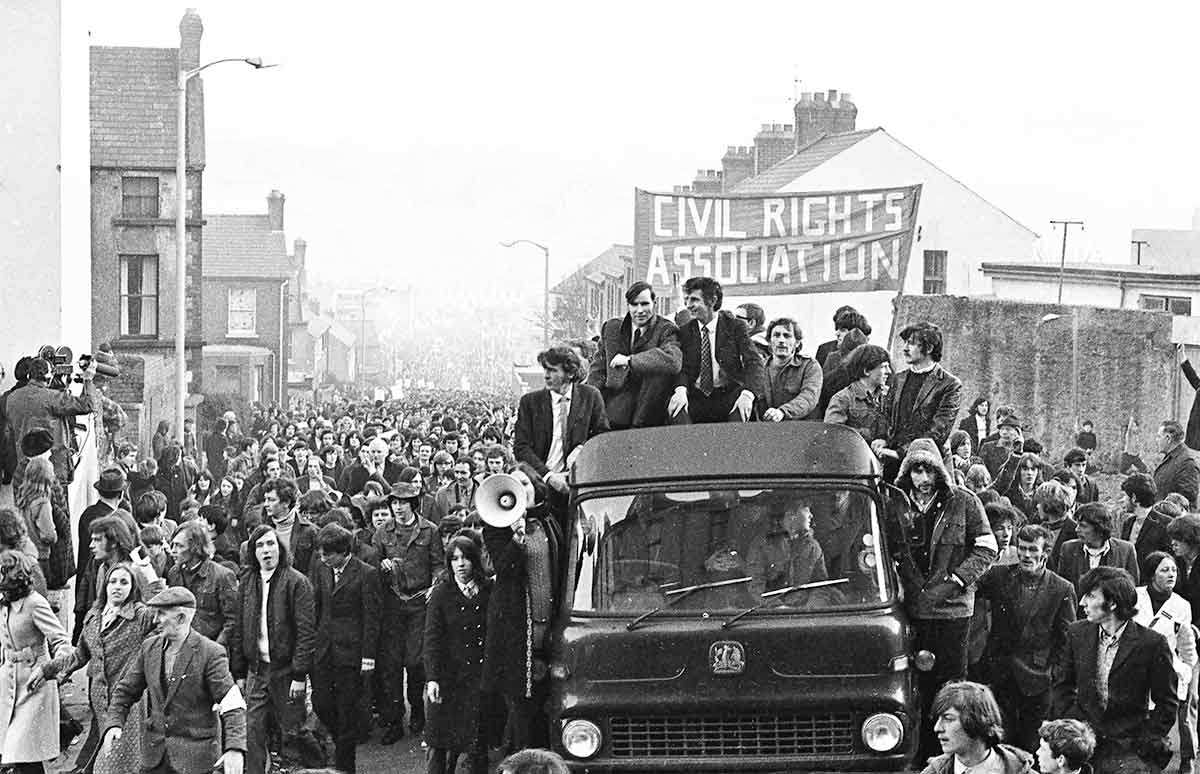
point(124, 297)
point(933, 283)
point(241, 332)
point(1165, 303)
point(140, 204)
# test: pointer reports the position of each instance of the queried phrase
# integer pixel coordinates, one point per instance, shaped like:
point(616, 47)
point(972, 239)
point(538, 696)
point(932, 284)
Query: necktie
point(637, 336)
point(564, 406)
point(706, 371)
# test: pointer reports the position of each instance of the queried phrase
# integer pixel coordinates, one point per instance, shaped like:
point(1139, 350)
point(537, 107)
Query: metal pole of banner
point(1062, 266)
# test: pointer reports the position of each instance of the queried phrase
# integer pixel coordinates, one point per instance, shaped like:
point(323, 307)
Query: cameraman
point(36, 404)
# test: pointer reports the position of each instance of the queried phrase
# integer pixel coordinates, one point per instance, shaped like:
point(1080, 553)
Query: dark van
point(729, 604)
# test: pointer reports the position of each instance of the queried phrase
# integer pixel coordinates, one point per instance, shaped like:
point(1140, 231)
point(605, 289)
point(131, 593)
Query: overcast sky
point(409, 138)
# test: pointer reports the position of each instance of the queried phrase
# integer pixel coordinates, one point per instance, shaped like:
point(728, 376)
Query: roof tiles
point(801, 162)
point(244, 246)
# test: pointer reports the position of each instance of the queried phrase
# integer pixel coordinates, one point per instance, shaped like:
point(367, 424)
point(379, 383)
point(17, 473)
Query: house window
point(243, 305)
point(139, 295)
point(935, 273)
point(1180, 305)
point(139, 197)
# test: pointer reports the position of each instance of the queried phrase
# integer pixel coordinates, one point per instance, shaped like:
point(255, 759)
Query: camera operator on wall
point(38, 404)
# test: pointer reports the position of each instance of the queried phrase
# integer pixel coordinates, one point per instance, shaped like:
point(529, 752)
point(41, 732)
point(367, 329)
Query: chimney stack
point(191, 29)
point(275, 210)
point(772, 144)
point(299, 248)
point(736, 165)
point(823, 113)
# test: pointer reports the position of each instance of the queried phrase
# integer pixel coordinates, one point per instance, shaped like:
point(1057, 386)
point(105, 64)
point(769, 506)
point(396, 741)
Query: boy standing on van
point(949, 545)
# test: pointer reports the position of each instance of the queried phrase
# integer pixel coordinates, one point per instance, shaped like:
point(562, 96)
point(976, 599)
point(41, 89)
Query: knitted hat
point(924, 451)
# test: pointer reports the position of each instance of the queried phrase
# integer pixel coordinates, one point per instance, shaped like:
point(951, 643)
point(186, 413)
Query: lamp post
point(546, 288)
point(1074, 360)
point(181, 231)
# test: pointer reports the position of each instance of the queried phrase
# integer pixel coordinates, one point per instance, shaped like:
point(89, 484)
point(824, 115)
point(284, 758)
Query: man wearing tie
point(553, 422)
point(636, 362)
point(722, 375)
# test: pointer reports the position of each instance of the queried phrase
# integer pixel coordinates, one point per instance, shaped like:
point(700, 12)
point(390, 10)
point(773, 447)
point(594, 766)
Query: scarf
point(1157, 598)
point(1094, 555)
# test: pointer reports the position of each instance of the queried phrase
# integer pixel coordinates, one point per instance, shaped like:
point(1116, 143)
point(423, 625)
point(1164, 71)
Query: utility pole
point(1062, 266)
point(1140, 244)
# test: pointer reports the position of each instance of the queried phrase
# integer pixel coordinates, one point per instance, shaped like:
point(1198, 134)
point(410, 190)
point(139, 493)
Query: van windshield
point(635, 553)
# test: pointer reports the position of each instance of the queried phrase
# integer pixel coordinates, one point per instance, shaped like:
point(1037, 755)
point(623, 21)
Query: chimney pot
point(832, 96)
point(275, 202)
point(191, 29)
point(819, 98)
point(787, 127)
point(845, 100)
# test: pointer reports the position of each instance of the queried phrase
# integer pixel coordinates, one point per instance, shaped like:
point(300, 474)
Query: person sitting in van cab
point(787, 554)
point(949, 545)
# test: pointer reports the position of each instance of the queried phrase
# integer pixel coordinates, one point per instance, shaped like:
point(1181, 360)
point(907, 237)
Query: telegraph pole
point(1062, 266)
point(1140, 244)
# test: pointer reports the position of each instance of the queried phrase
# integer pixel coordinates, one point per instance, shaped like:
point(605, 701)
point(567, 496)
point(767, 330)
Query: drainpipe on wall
point(281, 363)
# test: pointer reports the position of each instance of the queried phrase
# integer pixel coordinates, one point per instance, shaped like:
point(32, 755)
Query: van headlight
point(581, 738)
point(883, 732)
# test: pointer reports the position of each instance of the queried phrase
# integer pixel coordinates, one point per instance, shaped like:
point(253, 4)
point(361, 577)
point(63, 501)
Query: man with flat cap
point(183, 675)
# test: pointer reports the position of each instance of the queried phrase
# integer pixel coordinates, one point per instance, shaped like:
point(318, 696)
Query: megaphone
point(500, 501)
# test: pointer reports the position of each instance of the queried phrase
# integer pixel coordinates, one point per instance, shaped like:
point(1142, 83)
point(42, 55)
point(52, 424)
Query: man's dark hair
point(314, 502)
point(246, 443)
point(1086, 423)
point(839, 310)
point(285, 490)
point(1075, 455)
point(1073, 739)
point(1002, 512)
point(1098, 516)
point(252, 554)
point(927, 336)
point(561, 356)
point(865, 359)
point(1033, 446)
point(149, 506)
point(852, 320)
point(215, 515)
point(335, 538)
point(1034, 532)
point(21, 369)
point(38, 370)
point(533, 761)
point(787, 322)
point(755, 316)
point(708, 288)
point(636, 289)
point(1185, 529)
point(978, 712)
point(1115, 585)
point(1141, 489)
point(116, 534)
point(1173, 429)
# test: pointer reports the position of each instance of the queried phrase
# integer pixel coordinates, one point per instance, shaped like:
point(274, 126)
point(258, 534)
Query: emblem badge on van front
point(727, 657)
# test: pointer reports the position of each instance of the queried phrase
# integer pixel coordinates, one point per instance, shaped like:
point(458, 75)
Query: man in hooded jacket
point(947, 544)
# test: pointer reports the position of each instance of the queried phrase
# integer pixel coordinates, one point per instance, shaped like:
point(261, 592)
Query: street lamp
point(181, 231)
point(546, 290)
point(1049, 318)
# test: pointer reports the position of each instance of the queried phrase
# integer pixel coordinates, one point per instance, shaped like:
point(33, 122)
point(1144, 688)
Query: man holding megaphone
point(524, 544)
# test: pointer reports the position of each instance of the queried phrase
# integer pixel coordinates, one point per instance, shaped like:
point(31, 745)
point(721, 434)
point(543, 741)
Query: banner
point(782, 243)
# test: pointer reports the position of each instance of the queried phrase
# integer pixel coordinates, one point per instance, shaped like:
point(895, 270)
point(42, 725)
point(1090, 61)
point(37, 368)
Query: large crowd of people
point(322, 573)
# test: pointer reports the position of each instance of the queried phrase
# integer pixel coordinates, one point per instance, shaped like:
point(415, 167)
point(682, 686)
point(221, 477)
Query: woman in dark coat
point(514, 659)
point(455, 626)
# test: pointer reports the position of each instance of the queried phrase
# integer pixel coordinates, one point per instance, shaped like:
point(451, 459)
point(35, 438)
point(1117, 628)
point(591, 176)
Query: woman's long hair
point(39, 481)
point(470, 551)
point(135, 592)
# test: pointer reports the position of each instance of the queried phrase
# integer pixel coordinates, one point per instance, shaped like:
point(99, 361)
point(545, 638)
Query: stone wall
point(1106, 365)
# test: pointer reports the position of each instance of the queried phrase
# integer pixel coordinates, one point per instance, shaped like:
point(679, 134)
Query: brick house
point(133, 205)
point(246, 332)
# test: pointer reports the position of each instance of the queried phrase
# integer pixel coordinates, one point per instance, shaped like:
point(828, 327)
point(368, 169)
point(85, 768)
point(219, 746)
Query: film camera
point(61, 360)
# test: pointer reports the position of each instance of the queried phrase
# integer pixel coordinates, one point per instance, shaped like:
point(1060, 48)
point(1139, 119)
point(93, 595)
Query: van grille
point(731, 736)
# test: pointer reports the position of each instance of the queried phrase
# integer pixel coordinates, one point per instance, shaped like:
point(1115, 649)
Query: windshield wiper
point(771, 595)
point(678, 594)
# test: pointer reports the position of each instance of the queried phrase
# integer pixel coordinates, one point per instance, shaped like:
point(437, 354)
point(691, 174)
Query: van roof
point(731, 449)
